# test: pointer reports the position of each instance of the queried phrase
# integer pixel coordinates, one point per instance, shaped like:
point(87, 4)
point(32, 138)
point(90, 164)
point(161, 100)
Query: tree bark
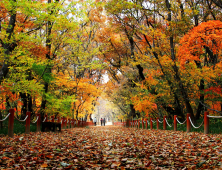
point(8, 47)
point(200, 106)
point(175, 68)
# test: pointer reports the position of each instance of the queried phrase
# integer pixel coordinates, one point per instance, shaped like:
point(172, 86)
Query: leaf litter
point(111, 147)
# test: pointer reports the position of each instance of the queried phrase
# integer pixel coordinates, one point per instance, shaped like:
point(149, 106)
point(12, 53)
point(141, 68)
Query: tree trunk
point(132, 111)
point(48, 70)
point(200, 106)
point(8, 47)
point(175, 68)
point(24, 107)
point(1, 123)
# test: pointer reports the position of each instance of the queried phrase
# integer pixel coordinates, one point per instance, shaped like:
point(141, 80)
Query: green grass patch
point(214, 123)
point(19, 127)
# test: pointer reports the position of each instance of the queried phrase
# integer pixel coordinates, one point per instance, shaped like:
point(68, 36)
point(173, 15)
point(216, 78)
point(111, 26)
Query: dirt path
point(111, 147)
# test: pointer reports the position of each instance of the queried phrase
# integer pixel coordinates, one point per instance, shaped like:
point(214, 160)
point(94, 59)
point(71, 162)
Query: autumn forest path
point(111, 147)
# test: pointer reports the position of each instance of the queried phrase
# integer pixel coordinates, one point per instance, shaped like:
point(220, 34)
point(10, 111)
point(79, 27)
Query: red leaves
point(206, 36)
point(86, 148)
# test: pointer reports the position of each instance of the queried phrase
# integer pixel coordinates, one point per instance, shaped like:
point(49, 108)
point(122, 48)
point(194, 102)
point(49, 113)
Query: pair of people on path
point(103, 121)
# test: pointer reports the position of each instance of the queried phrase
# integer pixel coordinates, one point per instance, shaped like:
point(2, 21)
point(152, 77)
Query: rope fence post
point(151, 124)
point(58, 120)
point(62, 122)
point(27, 123)
point(164, 122)
point(188, 123)
point(206, 123)
point(65, 122)
point(138, 123)
point(157, 123)
point(11, 122)
point(38, 124)
point(78, 125)
point(69, 123)
point(142, 123)
point(52, 118)
point(175, 122)
point(72, 123)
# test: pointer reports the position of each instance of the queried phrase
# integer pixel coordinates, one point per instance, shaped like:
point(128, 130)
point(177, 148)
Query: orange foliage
point(144, 104)
point(36, 50)
point(207, 34)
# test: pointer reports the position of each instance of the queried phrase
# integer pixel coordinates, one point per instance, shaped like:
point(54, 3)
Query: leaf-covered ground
point(111, 147)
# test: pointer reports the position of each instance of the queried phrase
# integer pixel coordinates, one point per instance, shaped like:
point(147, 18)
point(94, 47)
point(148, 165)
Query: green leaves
point(43, 71)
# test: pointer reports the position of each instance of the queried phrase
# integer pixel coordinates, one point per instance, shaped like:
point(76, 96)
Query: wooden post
point(72, 123)
point(58, 120)
point(38, 124)
point(188, 123)
point(62, 122)
point(157, 123)
point(206, 123)
point(65, 122)
point(52, 118)
point(164, 122)
point(151, 124)
point(142, 123)
point(78, 125)
point(11, 123)
point(175, 122)
point(27, 123)
point(146, 123)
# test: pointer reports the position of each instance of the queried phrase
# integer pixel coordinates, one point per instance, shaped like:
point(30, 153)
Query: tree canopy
point(162, 57)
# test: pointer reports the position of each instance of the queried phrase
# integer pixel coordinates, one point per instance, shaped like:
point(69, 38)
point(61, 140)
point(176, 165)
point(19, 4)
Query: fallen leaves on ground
point(111, 147)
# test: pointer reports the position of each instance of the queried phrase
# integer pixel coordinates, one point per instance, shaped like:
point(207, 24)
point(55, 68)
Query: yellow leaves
point(44, 165)
point(144, 103)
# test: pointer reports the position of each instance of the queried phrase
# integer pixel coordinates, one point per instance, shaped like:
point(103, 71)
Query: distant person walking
point(104, 121)
point(94, 121)
point(101, 121)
